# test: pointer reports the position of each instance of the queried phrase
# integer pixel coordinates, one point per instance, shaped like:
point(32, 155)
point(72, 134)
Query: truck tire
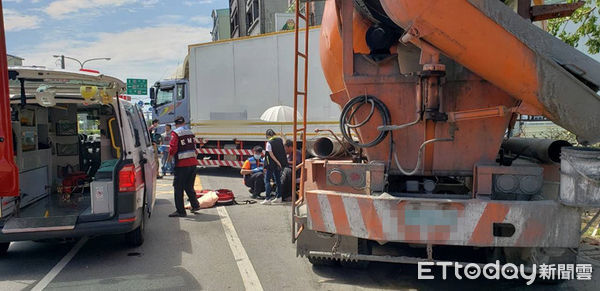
point(569, 256)
point(540, 255)
point(4, 248)
point(318, 261)
point(135, 238)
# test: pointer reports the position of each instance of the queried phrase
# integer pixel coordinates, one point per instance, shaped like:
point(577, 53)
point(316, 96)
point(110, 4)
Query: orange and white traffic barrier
point(468, 222)
point(236, 164)
point(238, 152)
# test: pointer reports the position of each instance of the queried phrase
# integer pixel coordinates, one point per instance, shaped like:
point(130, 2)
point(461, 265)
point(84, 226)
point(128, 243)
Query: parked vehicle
point(230, 84)
point(71, 185)
point(433, 89)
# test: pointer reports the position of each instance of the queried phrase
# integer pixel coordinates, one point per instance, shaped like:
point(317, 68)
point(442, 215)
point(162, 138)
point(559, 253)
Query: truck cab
point(170, 98)
point(84, 160)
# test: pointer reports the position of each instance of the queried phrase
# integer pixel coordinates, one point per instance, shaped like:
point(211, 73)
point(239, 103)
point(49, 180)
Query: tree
point(583, 25)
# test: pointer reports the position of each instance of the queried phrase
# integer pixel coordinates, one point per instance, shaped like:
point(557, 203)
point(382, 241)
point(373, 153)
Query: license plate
point(430, 217)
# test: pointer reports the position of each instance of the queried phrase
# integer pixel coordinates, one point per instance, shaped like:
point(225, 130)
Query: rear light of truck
point(127, 178)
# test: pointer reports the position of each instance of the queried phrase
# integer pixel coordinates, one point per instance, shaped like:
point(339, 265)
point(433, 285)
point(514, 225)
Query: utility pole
point(62, 62)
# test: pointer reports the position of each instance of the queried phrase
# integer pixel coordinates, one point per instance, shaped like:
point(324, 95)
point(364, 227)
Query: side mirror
point(152, 96)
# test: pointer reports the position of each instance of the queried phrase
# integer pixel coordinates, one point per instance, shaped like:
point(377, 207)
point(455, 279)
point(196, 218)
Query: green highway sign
point(137, 86)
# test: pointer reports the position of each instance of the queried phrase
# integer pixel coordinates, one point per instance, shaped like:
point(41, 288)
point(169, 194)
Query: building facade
point(254, 17)
point(237, 18)
point(14, 61)
point(221, 25)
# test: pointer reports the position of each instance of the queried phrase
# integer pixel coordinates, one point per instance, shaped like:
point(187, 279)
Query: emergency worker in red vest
point(183, 150)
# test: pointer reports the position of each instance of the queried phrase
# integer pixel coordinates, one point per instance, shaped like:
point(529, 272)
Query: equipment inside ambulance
point(84, 158)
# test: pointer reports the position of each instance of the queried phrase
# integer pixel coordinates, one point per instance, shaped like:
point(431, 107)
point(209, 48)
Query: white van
point(71, 185)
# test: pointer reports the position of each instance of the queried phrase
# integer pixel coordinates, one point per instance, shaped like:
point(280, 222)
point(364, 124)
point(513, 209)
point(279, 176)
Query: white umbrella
point(280, 113)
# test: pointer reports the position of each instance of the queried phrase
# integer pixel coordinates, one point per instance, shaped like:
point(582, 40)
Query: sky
point(145, 39)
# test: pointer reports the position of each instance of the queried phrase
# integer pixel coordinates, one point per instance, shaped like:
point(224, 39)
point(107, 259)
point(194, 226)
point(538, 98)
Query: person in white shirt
point(167, 166)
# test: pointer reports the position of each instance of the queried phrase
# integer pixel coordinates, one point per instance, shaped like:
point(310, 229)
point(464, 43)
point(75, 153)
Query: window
point(139, 128)
point(234, 21)
point(180, 92)
point(164, 96)
point(135, 130)
point(88, 122)
point(143, 126)
point(252, 13)
point(255, 10)
point(249, 19)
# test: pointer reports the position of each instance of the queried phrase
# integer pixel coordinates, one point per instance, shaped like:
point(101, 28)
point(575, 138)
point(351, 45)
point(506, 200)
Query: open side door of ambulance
point(9, 174)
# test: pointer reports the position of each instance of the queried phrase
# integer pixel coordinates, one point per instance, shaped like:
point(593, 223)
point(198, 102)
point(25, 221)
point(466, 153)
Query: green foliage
point(551, 132)
point(586, 23)
point(556, 132)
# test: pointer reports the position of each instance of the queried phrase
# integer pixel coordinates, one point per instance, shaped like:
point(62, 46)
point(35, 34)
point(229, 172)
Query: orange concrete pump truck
point(430, 91)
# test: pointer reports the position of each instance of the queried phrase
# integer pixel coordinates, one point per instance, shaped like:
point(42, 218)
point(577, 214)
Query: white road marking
point(249, 276)
point(61, 265)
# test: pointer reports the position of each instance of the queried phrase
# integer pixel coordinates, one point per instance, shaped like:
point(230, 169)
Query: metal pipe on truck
point(544, 150)
point(326, 147)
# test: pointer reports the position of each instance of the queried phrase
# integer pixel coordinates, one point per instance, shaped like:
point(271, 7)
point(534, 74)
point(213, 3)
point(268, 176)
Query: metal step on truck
point(226, 87)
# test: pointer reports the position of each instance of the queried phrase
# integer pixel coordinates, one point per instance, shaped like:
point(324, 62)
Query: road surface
point(211, 251)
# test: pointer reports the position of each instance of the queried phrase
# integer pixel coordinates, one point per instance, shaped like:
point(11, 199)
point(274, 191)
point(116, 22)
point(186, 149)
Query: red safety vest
point(186, 147)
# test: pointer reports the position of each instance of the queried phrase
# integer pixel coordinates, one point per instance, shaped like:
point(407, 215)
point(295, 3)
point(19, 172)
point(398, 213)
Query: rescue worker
point(183, 150)
point(254, 177)
point(275, 161)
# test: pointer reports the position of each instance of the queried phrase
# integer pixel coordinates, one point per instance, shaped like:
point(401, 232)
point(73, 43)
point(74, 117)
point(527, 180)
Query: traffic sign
point(141, 103)
point(137, 86)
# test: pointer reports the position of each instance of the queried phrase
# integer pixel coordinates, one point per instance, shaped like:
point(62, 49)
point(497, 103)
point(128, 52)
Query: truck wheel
point(554, 256)
point(4, 248)
point(135, 238)
point(317, 261)
point(538, 256)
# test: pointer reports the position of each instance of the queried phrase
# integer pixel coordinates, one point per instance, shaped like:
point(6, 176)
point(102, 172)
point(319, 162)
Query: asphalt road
point(204, 252)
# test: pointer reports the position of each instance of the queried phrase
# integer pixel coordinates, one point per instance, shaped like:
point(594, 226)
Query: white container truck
point(227, 85)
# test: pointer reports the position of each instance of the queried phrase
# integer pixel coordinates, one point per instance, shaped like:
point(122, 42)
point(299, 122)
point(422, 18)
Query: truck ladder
point(297, 200)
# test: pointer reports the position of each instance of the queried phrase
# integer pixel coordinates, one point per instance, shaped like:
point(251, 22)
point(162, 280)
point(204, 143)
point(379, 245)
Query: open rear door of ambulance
point(9, 174)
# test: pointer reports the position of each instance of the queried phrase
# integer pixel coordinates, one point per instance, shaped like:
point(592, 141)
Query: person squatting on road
point(252, 169)
point(167, 167)
point(286, 175)
point(275, 161)
point(183, 150)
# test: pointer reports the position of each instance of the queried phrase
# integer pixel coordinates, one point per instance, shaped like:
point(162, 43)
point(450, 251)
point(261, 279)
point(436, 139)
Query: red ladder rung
point(301, 54)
